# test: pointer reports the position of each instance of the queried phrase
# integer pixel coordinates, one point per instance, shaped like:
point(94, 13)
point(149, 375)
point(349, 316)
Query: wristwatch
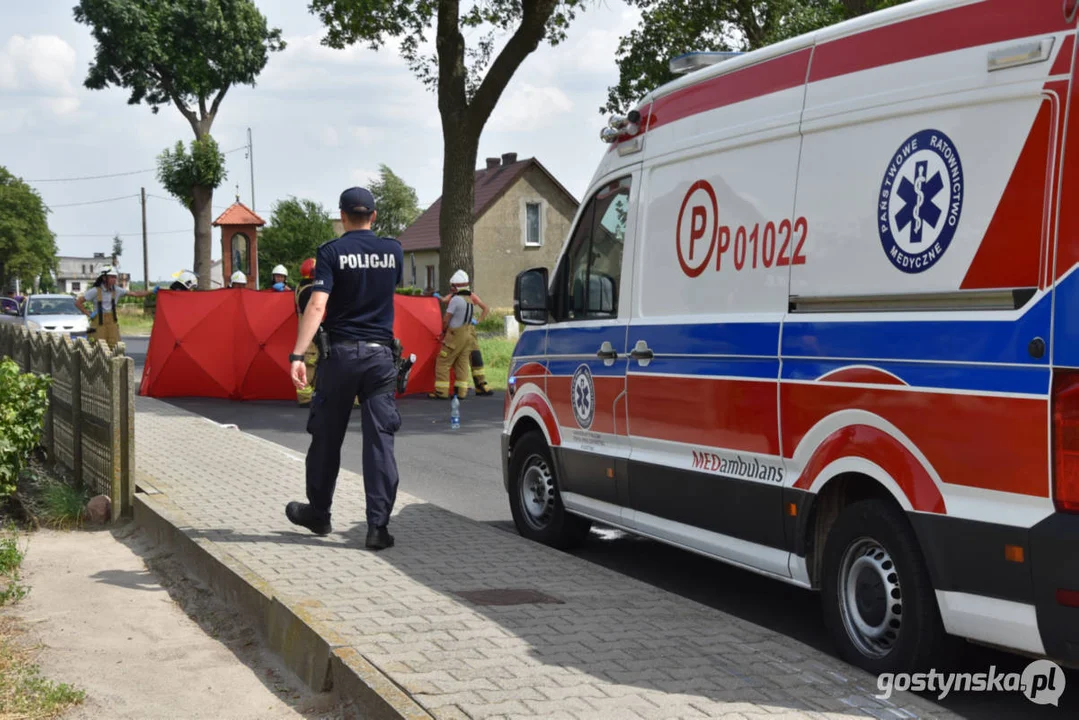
point(293, 357)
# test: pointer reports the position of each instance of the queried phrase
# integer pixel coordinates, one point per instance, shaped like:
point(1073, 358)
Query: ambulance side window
point(588, 279)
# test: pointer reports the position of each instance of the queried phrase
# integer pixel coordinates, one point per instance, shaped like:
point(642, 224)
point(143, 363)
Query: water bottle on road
point(455, 413)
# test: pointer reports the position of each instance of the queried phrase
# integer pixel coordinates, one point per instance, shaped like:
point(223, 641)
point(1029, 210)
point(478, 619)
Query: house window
point(83, 269)
point(76, 287)
point(431, 277)
point(533, 236)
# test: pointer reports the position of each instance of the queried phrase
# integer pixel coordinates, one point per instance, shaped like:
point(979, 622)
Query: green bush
point(24, 398)
point(494, 323)
point(409, 291)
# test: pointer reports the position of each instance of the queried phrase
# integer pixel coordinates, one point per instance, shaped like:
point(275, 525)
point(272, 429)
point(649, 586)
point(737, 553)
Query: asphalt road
point(461, 471)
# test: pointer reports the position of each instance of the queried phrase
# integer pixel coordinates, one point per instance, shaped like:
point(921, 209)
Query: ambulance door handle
point(642, 353)
point(607, 352)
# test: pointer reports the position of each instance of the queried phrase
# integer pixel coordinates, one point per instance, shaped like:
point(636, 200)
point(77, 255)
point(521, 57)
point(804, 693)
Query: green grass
point(133, 322)
point(493, 323)
point(497, 353)
point(24, 693)
point(62, 505)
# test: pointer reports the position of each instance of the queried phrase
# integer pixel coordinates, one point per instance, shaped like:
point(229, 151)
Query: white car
point(54, 314)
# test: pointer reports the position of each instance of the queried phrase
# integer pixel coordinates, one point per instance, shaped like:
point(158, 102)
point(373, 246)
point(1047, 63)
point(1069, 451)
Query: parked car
point(54, 314)
point(9, 309)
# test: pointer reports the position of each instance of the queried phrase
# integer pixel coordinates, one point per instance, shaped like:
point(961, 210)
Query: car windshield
point(51, 306)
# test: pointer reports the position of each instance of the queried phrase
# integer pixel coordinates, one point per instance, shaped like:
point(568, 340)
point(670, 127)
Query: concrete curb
point(315, 653)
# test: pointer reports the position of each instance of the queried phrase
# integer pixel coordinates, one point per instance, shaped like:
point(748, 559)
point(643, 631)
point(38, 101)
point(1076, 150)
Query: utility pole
point(145, 257)
point(251, 157)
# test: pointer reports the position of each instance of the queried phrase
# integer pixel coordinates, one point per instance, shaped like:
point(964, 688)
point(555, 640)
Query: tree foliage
point(670, 28)
point(24, 399)
point(469, 79)
point(296, 229)
point(27, 246)
point(397, 203)
point(187, 53)
point(180, 171)
point(117, 248)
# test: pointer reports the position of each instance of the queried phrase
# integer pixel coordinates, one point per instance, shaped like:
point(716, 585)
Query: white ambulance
point(818, 317)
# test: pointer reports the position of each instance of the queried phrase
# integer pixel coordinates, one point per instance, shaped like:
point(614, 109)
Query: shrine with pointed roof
point(239, 241)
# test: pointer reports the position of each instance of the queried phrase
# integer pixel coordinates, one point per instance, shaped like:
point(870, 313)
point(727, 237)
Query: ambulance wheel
point(879, 603)
point(535, 502)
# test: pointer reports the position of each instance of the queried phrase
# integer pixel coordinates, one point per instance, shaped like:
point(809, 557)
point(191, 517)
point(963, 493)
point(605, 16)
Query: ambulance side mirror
point(530, 306)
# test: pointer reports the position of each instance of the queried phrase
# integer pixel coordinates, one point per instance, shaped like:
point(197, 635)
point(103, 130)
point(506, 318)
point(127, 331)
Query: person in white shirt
point(103, 298)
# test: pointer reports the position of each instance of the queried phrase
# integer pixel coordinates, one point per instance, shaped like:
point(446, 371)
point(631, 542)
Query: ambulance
point(818, 317)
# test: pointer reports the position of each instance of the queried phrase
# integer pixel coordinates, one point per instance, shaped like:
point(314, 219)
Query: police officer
point(352, 297)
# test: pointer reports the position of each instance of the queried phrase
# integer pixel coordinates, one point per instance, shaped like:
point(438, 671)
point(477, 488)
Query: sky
point(321, 120)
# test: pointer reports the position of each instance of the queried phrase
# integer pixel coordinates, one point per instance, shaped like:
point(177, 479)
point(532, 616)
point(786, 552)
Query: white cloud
point(40, 64)
point(527, 108)
point(330, 137)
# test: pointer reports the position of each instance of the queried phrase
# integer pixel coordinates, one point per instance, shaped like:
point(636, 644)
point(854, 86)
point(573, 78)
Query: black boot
point(300, 514)
point(379, 538)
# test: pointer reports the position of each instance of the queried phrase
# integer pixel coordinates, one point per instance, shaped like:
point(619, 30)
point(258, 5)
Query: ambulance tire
point(535, 502)
point(871, 553)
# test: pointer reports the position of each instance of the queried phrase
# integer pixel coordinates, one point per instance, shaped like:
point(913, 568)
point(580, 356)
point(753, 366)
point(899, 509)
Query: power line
point(93, 202)
point(116, 175)
point(135, 234)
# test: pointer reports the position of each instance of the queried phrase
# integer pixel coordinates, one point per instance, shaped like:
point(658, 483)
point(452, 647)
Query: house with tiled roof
point(522, 217)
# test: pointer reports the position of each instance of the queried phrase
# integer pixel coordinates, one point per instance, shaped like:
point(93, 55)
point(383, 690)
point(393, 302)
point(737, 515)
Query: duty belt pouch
point(322, 342)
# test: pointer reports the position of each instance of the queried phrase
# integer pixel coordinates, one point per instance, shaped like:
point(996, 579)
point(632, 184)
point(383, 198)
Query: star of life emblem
point(920, 201)
point(583, 392)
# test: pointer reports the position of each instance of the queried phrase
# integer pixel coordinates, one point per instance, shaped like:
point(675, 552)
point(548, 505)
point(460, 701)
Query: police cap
point(358, 200)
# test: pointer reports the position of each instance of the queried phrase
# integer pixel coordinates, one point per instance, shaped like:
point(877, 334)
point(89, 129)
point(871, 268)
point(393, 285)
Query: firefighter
point(479, 377)
point(458, 337)
point(280, 279)
point(185, 280)
point(310, 356)
point(238, 281)
point(104, 296)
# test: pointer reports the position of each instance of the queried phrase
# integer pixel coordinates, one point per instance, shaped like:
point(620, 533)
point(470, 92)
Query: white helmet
point(459, 278)
point(239, 278)
point(109, 270)
point(279, 270)
point(187, 278)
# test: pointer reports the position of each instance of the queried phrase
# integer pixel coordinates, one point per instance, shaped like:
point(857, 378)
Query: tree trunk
point(458, 192)
point(202, 209)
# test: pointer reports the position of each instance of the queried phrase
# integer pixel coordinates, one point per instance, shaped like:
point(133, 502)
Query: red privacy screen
point(235, 344)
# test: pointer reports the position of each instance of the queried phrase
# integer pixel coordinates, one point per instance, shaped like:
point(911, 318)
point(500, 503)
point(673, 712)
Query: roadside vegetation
point(24, 693)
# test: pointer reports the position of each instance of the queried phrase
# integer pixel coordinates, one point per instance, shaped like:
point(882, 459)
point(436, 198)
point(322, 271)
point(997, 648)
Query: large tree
point(670, 28)
point(469, 80)
point(27, 246)
point(296, 229)
point(397, 203)
point(186, 53)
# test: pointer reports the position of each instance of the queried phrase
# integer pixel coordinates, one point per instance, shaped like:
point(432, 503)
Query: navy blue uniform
point(360, 271)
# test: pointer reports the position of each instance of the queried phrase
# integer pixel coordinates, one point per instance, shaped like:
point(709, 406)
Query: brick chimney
point(492, 163)
point(509, 158)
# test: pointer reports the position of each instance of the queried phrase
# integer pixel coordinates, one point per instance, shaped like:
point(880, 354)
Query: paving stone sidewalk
point(612, 647)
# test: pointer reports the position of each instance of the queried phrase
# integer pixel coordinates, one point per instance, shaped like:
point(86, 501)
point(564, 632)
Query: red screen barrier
point(235, 344)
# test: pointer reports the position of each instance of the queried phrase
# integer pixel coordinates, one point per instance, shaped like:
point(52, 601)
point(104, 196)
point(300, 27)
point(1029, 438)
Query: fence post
point(127, 437)
point(116, 466)
point(76, 411)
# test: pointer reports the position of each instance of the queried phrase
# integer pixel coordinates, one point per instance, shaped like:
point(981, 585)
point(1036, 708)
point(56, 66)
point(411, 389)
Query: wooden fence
point(90, 425)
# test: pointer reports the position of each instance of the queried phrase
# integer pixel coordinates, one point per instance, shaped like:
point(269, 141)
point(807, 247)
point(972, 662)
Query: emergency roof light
point(691, 62)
